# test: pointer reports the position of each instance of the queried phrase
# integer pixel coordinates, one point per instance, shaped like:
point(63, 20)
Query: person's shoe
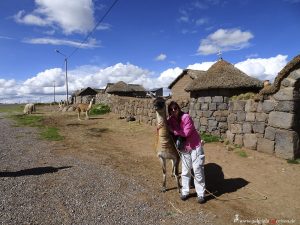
point(201, 200)
point(184, 197)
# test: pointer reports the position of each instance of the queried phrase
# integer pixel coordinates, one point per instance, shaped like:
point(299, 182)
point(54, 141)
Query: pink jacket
point(185, 129)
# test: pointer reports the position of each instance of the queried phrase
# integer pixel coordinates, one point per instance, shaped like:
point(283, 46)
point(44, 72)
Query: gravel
point(38, 187)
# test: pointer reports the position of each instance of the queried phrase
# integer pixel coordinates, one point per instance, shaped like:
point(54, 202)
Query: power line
point(95, 27)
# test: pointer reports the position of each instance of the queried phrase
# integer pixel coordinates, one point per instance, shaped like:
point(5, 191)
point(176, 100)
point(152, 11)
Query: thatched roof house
point(224, 78)
point(122, 89)
point(179, 85)
point(83, 95)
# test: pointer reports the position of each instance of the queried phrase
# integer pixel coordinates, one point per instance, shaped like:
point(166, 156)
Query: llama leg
point(175, 170)
point(163, 164)
point(78, 115)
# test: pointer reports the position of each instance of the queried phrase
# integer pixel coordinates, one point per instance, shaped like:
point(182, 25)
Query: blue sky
point(139, 41)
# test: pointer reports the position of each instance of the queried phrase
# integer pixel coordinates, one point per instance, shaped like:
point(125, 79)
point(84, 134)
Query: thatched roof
point(121, 86)
point(192, 73)
point(85, 91)
point(224, 75)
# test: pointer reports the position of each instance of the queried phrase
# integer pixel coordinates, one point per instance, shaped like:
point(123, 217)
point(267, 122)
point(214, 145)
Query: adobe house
point(83, 95)
point(122, 89)
point(179, 85)
point(210, 94)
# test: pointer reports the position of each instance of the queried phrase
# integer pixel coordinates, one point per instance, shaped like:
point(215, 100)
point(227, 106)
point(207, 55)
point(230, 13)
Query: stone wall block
point(261, 117)
point(207, 99)
point(250, 116)
point(285, 106)
point(204, 106)
point(231, 118)
point(281, 120)
point(286, 144)
point(268, 106)
point(212, 106)
point(247, 128)
point(285, 94)
point(259, 127)
point(295, 75)
point(230, 136)
point(236, 128)
point(201, 100)
point(203, 121)
point(223, 126)
point(222, 106)
point(251, 106)
point(217, 99)
point(241, 116)
point(270, 133)
point(238, 140)
point(239, 105)
point(265, 145)
point(250, 141)
point(288, 82)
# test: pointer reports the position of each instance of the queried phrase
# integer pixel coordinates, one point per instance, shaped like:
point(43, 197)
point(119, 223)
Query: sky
point(147, 42)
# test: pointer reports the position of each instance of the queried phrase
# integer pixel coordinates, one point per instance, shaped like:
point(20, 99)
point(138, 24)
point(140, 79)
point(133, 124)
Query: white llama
point(83, 107)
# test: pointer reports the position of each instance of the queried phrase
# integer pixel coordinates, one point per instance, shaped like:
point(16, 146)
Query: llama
point(29, 108)
point(83, 107)
point(165, 147)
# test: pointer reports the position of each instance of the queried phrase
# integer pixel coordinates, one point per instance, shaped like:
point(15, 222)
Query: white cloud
point(71, 16)
point(161, 57)
point(224, 40)
point(201, 66)
point(263, 68)
point(91, 43)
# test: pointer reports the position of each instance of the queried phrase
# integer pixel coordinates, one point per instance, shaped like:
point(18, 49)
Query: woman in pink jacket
point(182, 126)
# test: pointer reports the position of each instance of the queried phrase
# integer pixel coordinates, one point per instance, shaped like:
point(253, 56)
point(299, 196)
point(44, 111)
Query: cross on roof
point(220, 54)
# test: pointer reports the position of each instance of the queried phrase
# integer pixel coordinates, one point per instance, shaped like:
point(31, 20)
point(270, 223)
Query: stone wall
point(270, 126)
point(210, 114)
point(140, 108)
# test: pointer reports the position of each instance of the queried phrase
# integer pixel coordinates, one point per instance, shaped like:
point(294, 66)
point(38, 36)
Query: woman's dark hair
point(174, 105)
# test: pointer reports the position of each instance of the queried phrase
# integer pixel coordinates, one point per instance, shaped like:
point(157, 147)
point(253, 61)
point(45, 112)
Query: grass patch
point(28, 120)
point(11, 108)
point(51, 134)
point(241, 153)
point(209, 138)
point(48, 133)
point(99, 109)
point(293, 161)
point(245, 96)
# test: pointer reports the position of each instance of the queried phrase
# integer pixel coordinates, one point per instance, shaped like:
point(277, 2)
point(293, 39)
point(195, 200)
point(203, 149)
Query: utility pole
point(66, 77)
point(54, 91)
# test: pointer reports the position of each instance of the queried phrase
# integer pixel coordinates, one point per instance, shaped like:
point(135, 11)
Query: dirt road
point(259, 187)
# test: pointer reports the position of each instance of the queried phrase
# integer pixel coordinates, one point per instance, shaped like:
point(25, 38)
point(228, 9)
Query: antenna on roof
point(220, 55)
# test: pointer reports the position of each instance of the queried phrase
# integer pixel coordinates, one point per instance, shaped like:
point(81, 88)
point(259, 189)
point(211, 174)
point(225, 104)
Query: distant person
point(189, 143)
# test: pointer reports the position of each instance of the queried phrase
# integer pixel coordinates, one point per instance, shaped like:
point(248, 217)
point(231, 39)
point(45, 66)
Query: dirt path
point(241, 184)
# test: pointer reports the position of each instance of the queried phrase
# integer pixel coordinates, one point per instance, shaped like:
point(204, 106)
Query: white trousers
point(194, 159)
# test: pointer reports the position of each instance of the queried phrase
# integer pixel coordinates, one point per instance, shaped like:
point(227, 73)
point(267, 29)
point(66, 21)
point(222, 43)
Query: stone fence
point(271, 126)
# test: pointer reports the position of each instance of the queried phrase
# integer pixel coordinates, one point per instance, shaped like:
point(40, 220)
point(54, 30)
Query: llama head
point(159, 104)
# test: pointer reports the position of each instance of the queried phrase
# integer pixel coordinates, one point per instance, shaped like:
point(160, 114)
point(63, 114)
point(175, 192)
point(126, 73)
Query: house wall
point(178, 91)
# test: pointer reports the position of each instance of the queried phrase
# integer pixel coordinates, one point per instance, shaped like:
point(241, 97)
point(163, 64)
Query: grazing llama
point(83, 107)
point(29, 108)
point(165, 146)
